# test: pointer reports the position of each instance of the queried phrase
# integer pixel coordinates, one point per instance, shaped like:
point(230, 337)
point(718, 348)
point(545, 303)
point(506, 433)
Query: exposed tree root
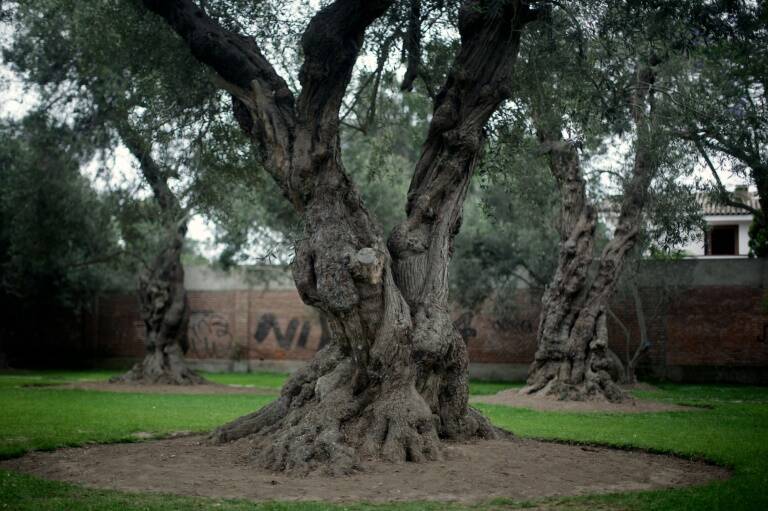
point(161, 366)
point(575, 380)
point(597, 387)
point(319, 424)
point(393, 382)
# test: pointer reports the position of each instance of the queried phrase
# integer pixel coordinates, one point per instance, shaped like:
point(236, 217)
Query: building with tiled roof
point(727, 232)
point(712, 207)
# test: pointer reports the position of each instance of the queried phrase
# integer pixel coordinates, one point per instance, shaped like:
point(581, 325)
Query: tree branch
point(331, 45)
point(236, 58)
point(477, 84)
point(150, 169)
point(635, 196)
point(244, 72)
point(412, 46)
point(724, 146)
point(722, 193)
point(479, 81)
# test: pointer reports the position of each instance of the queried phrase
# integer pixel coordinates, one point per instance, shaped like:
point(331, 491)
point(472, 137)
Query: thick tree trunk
point(161, 292)
point(393, 382)
point(165, 312)
point(380, 388)
point(572, 361)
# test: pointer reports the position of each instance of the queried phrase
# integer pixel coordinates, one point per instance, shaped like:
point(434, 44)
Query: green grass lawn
point(487, 388)
point(732, 431)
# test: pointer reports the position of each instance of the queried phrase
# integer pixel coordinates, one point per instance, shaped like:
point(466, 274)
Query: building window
point(722, 240)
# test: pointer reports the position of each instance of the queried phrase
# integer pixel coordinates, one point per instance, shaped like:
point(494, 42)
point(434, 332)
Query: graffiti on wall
point(268, 325)
point(292, 337)
point(209, 334)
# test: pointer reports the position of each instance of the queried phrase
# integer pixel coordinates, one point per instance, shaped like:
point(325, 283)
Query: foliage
point(84, 67)
point(58, 241)
point(720, 105)
point(509, 239)
point(574, 80)
point(758, 236)
point(381, 156)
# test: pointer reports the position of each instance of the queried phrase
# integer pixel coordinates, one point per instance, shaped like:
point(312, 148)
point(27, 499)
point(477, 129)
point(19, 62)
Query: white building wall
point(744, 238)
point(696, 248)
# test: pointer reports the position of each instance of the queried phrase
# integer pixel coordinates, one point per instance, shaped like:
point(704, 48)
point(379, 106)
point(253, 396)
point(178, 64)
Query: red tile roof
point(709, 206)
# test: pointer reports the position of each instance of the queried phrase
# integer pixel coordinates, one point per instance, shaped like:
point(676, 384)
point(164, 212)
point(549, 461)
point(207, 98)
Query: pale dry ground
point(208, 388)
point(513, 398)
point(519, 469)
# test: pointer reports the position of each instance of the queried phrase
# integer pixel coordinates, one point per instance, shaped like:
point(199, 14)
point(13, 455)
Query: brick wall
point(712, 325)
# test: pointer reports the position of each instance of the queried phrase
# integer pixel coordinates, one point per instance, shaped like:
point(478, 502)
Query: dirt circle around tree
point(154, 388)
point(475, 472)
point(514, 399)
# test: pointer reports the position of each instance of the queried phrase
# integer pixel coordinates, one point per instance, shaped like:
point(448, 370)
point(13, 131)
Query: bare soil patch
point(641, 385)
point(513, 398)
point(207, 388)
point(520, 469)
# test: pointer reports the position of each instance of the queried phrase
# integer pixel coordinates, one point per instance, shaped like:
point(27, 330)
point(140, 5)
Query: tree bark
point(162, 296)
point(572, 361)
point(392, 383)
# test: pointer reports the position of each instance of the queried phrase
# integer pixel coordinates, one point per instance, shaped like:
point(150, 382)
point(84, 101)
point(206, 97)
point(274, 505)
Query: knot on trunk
point(367, 265)
point(569, 247)
point(465, 140)
point(444, 118)
point(432, 336)
point(407, 240)
point(335, 287)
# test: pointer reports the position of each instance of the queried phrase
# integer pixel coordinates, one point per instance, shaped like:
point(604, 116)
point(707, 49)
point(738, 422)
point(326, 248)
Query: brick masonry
point(712, 325)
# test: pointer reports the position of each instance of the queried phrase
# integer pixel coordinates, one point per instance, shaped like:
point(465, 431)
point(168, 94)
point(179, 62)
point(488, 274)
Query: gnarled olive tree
point(162, 296)
point(572, 359)
point(595, 75)
point(393, 382)
point(159, 107)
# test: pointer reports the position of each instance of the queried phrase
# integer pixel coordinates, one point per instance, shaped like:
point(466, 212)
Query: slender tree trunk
point(572, 360)
point(645, 342)
point(162, 296)
point(392, 383)
point(758, 231)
